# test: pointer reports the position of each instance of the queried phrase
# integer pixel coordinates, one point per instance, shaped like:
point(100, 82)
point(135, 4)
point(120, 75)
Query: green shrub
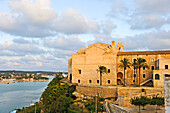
point(101, 99)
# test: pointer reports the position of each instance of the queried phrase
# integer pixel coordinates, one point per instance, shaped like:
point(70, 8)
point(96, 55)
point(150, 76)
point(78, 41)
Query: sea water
point(21, 94)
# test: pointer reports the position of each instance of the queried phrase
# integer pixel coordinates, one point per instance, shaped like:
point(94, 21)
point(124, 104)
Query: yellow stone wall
point(96, 55)
point(162, 71)
point(99, 54)
point(129, 72)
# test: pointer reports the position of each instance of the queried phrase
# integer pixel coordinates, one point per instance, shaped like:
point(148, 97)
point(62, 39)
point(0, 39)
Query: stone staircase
point(112, 108)
point(145, 81)
point(122, 80)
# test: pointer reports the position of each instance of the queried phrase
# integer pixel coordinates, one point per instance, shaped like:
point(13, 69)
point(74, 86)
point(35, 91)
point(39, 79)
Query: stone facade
point(82, 67)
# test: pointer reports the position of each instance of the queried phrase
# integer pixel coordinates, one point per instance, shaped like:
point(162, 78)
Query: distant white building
point(65, 75)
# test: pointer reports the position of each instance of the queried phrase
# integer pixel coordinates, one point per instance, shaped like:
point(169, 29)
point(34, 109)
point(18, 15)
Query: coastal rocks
point(81, 96)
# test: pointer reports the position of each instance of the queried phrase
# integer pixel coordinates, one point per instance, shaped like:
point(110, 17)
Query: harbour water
point(21, 94)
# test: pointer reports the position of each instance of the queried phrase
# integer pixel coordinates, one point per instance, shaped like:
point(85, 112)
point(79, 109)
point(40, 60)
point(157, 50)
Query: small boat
point(14, 111)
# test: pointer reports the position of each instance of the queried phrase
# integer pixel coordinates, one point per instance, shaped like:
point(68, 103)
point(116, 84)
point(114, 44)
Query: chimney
point(113, 43)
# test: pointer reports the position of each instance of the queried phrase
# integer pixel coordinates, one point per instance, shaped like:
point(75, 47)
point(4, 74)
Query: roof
point(144, 52)
point(99, 44)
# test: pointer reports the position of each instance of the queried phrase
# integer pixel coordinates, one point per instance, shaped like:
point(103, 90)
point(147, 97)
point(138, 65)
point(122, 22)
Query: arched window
point(157, 76)
point(152, 60)
point(119, 74)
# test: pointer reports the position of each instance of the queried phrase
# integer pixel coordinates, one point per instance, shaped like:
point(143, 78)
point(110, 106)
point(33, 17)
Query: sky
point(43, 34)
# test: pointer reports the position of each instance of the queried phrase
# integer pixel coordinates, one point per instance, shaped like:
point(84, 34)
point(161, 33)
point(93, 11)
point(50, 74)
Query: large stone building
point(82, 67)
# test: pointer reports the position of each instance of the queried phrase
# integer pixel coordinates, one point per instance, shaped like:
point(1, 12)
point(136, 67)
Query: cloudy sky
point(43, 34)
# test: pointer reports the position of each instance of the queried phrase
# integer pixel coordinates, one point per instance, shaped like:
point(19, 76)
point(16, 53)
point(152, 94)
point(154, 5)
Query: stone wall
point(124, 94)
point(93, 90)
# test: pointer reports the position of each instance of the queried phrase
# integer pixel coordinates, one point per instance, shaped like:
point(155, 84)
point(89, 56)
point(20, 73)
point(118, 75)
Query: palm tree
point(102, 70)
point(124, 63)
point(134, 64)
point(141, 62)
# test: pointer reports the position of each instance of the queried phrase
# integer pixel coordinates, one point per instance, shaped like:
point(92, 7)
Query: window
point(108, 70)
point(119, 48)
point(90, 81)
point(79, 71)
point(78, 81)
point(157, 76)
point(152, 67)
point(152, 60)
point(137, 55)
point(146, 54)
point(97, 81)
point(166, 66)
point(133, 80)
point(143, 75)
point(143, 68)
point(143, 90)
point(108, 81)
point(134, 75)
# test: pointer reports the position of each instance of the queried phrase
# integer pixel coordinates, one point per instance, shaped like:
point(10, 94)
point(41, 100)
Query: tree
point(141, 62)
point(144, 101)
point(157, 101)
point(160, 102)
point(90, 105)
point(102, 70)
point(124, 63)
point(136, 101)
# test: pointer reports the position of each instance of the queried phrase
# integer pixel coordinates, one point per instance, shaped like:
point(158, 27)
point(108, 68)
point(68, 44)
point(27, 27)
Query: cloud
point(72, 22)
point(150, 41)
point(147, 41)
point(37, 11)
point(118, 9)
point(157, 7)
point(69, 43)
point(34, 63)
point(36, 18)
point(24, 41)
point(146, 21)
point(20, 49)
point(142, 14)
point(27, 54)
point(108, 26)
point(8, 53)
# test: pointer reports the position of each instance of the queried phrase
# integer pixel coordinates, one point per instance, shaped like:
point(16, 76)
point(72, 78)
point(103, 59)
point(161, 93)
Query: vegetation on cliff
point(55, 99)
point(59, 98)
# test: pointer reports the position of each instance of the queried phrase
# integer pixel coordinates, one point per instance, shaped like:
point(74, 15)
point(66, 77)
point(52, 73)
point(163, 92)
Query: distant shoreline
point(9, 81)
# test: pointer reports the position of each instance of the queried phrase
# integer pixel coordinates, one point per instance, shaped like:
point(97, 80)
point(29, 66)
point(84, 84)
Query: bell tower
point(120, 46)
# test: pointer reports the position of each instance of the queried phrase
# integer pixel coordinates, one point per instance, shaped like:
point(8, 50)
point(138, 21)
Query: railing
point(116, 109)
point(105, 107)
point(122, 80)
point(146, 80)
